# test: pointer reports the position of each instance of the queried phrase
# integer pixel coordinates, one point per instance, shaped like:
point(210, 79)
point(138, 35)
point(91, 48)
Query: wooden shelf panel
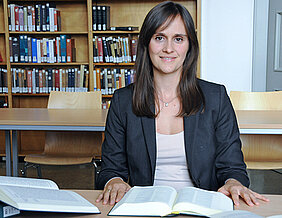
point(2, 49)
point(114, 64)
point(2, 29)
point(107, 96)
point(3, 95)
point(31, 94)
point(115, 32)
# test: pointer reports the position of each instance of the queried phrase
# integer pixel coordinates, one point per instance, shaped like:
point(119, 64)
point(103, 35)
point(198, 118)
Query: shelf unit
point(76, 20)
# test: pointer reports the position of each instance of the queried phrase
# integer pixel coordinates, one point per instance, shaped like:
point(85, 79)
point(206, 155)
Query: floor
point(82, 177)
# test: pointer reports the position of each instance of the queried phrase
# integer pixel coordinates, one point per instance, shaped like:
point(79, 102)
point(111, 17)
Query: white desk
point(45, 119)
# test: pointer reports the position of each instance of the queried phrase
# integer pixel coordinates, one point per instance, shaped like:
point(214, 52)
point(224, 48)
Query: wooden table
point(45, 119)
point(264, 209)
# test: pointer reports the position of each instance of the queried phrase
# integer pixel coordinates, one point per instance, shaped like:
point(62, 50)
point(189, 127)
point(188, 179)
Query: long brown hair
point(189, 92)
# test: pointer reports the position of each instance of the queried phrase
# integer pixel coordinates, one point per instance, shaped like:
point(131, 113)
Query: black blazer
point(212, 143)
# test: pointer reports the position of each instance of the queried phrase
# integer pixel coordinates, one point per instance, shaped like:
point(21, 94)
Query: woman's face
point(168, 47)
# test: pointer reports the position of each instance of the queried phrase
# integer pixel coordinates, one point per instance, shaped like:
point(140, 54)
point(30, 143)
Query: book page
point(36, 199)
point(28, 182)
point(201, 201)
point(149, 200)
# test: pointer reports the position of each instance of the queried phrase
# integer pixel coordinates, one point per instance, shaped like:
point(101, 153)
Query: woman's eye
point(179, 39)
point(159, 38)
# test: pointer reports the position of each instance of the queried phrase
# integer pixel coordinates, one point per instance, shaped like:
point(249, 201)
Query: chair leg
point(28, 165)
point(23, 171)
point(97, 168)
point(39, 173)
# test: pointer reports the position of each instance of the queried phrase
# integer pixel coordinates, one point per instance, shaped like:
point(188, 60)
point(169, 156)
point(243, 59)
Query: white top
point(171, 165)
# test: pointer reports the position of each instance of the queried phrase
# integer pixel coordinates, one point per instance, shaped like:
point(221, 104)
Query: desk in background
point(261, 135)
point(45, 119)
point(264, 209)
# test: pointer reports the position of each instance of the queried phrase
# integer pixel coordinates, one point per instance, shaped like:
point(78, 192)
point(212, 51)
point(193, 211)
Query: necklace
point(166, 103)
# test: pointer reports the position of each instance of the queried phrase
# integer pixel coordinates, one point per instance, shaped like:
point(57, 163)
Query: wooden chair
point(260, 151)
point(69, 148)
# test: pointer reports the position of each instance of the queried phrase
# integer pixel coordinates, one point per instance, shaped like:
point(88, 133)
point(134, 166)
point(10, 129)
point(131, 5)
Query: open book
point(41, 195)
point(164, 200)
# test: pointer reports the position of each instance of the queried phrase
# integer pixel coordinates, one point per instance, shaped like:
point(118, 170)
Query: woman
point(170, 128)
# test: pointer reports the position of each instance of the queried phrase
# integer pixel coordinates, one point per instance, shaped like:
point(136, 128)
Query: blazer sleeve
point(229, 158)
point(114, 161)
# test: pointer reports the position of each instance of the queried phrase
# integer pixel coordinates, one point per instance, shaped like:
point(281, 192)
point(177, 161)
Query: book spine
point(69, 55)
point(34, 50)
point(47, 17)
point(51, 17)
point(25, 49)
point(59, 21)
point(99, 18)
point(9, 17)
point(16, 49)
point(13, 20)
point(21, 19)
point(43, 12)
point(25, 18)
point(33, 19)
point(94, 17)
point(100, 49)
point(22, 49)
point(29, 18)
point(11, 49)
point(38, 17)
point(17, 18)
point(63, 48)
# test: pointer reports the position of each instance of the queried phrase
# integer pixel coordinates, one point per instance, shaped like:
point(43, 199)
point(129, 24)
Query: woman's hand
point(235, 189)
point(113, 191)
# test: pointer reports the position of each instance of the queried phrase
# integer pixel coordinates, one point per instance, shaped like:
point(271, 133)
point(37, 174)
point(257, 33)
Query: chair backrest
point(260, 151)
point(75, 100)
point(256, 100)
point(76, 144)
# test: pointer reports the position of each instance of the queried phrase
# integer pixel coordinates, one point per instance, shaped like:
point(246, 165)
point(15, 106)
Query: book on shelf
point(1, 59)
point(34, 18)
point(46, 80)
point(7, 210)
point(30, 194)
point(25, 49)
point(101, 17)
point(107, 80)
point(124, 28)
point(112, 49)
point(165, 200)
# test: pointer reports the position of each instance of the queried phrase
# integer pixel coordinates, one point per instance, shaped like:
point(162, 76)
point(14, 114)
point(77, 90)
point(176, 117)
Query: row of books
point(107, 80)
point(3, 81)
point(47, 80)
point(40, 17)
point(101, 17)
point(112, 49)
point(26, 49)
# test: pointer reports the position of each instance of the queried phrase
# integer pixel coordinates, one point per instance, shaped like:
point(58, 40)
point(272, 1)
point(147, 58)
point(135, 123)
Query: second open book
point(41, 195)
point(164, 200)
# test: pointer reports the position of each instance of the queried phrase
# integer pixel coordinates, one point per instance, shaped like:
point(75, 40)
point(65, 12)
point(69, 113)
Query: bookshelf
point(76, 21)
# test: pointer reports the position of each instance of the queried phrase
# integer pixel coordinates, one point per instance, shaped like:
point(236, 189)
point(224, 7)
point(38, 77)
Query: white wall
point(227, 43)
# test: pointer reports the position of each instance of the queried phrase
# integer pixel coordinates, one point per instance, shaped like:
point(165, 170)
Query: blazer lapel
point(149, 130)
